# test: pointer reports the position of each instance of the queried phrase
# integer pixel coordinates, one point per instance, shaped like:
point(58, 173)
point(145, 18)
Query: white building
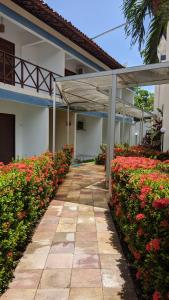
point(36, 46)
point(162, 91)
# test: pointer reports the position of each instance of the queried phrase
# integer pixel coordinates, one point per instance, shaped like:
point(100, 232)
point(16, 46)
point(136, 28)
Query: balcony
point(22, 73)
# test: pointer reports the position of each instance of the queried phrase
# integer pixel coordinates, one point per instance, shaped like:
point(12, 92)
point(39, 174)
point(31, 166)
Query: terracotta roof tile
point(46, 14)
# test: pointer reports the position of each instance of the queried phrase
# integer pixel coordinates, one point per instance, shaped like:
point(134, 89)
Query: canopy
point(98, 92)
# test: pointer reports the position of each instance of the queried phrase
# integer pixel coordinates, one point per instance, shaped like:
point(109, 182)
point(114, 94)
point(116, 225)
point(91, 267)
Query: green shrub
point(26, 188)
point(140, 206)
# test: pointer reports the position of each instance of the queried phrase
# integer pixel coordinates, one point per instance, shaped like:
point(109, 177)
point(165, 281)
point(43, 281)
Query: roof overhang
point(91, 92)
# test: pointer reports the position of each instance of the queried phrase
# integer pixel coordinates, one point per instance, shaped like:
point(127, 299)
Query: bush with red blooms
point(140, 207)
point(133, 151)
point(26, 188)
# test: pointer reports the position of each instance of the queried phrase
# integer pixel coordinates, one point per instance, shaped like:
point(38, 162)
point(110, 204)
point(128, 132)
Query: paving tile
point(32, 262)
point(118, 294)
point(69, 214)
point(86, 278)
point(58, 278)
point(59, 261)
point(108, 248)
point(86, 227)
point(86, 247)
point(86, 261)
point(67, 220)
point(66, 228)
point(37, 248)
point(17, 294)
point(111, 279)
point(109, 261)
point(85, 220)
point(86, 236)
point(63, 247)
point(63, 237)
point(86, 294)
point(26, 279)
point(52, 294)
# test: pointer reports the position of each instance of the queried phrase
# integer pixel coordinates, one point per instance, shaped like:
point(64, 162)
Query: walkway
point(75, 253)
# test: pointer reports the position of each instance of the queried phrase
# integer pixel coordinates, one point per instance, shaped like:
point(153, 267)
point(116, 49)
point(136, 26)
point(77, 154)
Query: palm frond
point(135, 13)
point(157, 29)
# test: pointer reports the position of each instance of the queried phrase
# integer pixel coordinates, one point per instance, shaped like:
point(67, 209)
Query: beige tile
point(86, 278)
point(111, 279)
point(86, 294)
point(26, 279)
point(86, 261)
point(58, 278)
point(86, 247)
point(67, 220)
point(52, 294)
point(17, 294)
point(59, 261)
point(63, 237)
point(118, 294)
point(66, 228)
point(86, 236)
point(32, 261)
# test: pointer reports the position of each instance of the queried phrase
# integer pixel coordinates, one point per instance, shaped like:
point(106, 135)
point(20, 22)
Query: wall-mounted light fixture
point(2, 26)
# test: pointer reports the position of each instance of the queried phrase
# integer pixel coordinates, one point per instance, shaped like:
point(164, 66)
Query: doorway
point(7, 62)
point(7, 138)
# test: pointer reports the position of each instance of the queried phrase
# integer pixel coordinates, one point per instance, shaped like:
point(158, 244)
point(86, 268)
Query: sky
point(96, 16)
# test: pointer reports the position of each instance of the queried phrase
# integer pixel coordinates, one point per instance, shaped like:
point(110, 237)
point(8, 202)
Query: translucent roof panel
point(90, 92)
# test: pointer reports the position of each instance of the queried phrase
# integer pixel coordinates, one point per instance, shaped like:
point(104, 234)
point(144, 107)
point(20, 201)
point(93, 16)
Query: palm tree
point(142, 13)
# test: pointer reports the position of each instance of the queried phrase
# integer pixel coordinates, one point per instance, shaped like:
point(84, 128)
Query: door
point(7, 138)
point(7, 62)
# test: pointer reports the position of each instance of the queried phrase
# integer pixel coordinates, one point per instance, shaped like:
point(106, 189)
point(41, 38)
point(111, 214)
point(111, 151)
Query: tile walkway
point(75, 252)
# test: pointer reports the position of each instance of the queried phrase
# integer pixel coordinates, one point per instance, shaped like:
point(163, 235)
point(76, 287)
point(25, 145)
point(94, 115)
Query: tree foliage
point(147, 22)
point(143, 99)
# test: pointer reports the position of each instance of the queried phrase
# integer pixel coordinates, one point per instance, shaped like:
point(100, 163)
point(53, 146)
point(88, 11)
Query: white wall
point(90, 139)
point(117, 131)
point(31, 127)
point(61, 128)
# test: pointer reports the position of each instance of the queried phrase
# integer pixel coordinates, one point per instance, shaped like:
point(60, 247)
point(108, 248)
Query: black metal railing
point(23, 73)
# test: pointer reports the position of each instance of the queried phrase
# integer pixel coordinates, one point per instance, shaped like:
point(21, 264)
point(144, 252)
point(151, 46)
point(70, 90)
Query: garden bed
point(26, 188)
point(140, 207)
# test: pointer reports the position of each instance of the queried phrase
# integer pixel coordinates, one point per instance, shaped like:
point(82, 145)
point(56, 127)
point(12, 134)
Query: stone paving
point(75, 253)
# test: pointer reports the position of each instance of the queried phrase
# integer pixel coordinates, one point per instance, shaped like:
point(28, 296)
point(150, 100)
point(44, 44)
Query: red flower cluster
point(133, 163)
point(153, 245)
point(156, 295)
point(140, 217)
point(161, 203)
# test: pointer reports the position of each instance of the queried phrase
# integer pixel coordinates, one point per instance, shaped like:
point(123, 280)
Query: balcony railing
point(20, 72)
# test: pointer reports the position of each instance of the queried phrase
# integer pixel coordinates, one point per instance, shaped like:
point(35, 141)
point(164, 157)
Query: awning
point(90, 92)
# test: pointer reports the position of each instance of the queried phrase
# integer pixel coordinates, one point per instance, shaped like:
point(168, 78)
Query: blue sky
point(93, 17)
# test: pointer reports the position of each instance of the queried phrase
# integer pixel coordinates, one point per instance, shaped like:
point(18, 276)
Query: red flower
point(156, 295)
point(138, 275)
point(140, 232)
point(153, 245)
point(140, 217)
point(137, 255)
point(161, 203)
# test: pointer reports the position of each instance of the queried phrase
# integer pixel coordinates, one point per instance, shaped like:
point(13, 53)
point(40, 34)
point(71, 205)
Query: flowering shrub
point(133, 151)
point(26, 188)
point(140, 206)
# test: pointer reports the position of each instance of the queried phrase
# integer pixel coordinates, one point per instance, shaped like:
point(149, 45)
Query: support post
point(142, 125)
point(68, 125)
point(54, 118)
point(123, 124)
point(111, 131)
point(75, 135)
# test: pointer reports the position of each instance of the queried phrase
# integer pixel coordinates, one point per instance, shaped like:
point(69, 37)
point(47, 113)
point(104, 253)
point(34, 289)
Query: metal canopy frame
point(104, 98)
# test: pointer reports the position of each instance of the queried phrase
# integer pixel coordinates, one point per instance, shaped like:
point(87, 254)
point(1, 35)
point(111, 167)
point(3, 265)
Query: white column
point(75, 134)
point(54, 118)
point(68, 125)
point(111, 122)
